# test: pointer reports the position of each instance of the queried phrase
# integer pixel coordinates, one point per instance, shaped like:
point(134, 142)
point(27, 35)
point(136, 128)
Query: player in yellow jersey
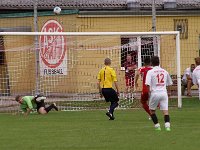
point(106, 78)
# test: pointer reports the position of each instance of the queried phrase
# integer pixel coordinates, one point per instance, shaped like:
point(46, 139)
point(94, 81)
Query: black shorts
point(40, 104)
point(110, 95)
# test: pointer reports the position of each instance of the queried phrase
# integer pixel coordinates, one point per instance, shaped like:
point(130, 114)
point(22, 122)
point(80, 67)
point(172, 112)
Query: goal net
point(63, 66)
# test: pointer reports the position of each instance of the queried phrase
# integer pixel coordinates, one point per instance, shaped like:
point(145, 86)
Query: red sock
point(146, 108)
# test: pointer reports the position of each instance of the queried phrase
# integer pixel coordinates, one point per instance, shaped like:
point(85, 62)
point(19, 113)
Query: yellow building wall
point(20, 63)
point(189, 47)
point(84, 64)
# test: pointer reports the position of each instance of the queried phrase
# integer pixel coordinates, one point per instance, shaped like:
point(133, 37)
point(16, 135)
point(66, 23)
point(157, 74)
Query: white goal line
point(90, 33)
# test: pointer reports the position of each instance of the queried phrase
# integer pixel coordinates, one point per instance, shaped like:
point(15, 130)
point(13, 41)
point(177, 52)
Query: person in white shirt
point(157, 80)
point(187, 80)
point(196, 74)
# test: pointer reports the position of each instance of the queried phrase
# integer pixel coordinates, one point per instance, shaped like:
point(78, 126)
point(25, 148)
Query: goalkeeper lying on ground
point(29, 103)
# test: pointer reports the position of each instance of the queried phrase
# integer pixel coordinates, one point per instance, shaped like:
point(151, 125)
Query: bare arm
point(99, 87)
point(188, 77)
point(116, 86)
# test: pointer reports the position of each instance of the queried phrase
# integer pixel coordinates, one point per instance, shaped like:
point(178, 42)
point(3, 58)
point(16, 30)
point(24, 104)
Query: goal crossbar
point(90, 33)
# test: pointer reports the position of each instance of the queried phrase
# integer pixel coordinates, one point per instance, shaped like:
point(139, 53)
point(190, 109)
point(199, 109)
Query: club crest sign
point(53, 50)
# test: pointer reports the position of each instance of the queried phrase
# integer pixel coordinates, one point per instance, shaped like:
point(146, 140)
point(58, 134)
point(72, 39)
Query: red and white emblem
point(52, 48)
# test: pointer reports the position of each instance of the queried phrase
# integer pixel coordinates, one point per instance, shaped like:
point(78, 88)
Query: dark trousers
point(111, 96)
point(113, 105)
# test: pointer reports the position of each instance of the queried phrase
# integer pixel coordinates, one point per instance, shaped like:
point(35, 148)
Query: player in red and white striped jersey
point(145, 91)
point(157, 80)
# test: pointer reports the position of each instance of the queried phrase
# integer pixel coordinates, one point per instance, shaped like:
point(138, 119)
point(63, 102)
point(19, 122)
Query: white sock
point(167, 125)
point(157, 125)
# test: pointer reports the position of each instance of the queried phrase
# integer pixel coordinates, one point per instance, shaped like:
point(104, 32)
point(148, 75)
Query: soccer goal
point(64, 65)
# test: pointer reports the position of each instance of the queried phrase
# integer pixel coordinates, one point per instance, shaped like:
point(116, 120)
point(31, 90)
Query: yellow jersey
point(107, 76)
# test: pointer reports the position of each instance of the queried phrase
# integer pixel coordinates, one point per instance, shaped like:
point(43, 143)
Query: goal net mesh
point(65, 68)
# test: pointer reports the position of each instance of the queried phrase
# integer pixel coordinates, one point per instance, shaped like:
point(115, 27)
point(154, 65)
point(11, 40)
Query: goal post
point(178, 56)
point(71, 79)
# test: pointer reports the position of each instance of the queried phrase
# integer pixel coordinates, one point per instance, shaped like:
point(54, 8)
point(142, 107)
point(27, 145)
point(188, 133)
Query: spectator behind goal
point(196, 74)
point(187, 80)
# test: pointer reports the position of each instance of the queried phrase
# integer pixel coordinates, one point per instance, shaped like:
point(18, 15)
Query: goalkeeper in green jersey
point(29, 103)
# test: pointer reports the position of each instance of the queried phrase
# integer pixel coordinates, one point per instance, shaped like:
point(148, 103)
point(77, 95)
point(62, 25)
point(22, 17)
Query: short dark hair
point(155, 61)
point(107, 61)
point(197, 61)
point(192, 65)
point(147, 61)
point(17, 98)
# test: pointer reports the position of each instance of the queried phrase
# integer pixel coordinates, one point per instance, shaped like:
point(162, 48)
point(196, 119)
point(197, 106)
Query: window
point(130, 45)
point(147, 48)
point(182, 26)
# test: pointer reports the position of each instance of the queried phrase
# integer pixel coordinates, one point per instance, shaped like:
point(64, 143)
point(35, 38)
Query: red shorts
point(130, 81)
point(144, 97)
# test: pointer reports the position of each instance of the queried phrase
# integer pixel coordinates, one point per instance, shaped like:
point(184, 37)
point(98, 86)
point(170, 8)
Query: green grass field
point(91, 130)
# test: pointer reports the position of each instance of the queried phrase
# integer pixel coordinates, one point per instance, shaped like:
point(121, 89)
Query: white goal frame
point(176, 33)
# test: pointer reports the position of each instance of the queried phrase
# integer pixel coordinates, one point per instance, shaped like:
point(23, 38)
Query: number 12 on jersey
point(160, 78)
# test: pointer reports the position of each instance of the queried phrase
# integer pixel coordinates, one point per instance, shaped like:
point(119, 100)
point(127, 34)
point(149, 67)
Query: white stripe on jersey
point(158, 78)
point(196, 75)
